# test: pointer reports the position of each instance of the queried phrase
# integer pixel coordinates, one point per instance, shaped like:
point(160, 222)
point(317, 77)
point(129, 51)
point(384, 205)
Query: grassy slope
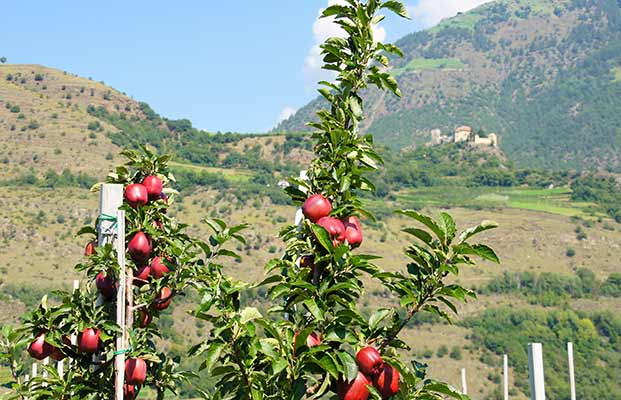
point(42, 254)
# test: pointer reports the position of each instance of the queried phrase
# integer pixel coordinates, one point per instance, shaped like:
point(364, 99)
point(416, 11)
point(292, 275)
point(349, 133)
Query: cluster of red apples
point(140, 248)
point(317, 209)
point(372, 371)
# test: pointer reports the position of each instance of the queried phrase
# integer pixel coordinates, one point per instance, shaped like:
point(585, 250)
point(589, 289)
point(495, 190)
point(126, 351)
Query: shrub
point(15, 109)
point(38, 77)
point(455, 353)
point(570, 252)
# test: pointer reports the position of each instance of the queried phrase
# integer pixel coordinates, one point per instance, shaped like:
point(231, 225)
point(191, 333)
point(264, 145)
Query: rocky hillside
point(543, 74)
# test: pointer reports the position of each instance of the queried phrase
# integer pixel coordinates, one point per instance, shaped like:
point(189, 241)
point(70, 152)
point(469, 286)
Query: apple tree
point(314, 342)
point(163, 263)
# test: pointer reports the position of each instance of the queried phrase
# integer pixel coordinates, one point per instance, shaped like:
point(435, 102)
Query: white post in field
point(464, 384)
point(505, 376)
point(535, 367)
point(46, 362)
point(122, 337)
point(572, 378)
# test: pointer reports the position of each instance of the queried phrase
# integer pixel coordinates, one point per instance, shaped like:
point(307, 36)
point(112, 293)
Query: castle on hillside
point(463, 134)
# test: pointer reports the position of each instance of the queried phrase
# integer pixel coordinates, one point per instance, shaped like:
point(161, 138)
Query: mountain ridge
point(540, 73)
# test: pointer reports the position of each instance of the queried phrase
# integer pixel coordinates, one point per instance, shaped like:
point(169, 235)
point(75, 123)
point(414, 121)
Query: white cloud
point(286, 112)
point(430, 12)
point(323, 28)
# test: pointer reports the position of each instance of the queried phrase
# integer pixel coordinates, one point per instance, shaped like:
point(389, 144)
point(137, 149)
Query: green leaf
point(397, 7)
point(483, 226)
point(378, 316)
point(323, 237)
point(351, 367)
point(249, 314)
point(448, 226)
point(425, 220)
point(420, 234)
point(213, 354)
point(480, 250)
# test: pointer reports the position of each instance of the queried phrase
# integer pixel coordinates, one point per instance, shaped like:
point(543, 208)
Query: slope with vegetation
point(540, 73)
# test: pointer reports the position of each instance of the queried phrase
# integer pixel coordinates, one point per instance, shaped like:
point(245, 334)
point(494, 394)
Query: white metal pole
point(505, 375)
point(535, 366)
point(464, 384)
point(572, 378)
point(46, 362)
point(121, 339)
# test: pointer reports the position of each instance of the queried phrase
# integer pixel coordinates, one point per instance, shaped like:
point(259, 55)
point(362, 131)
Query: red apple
point(88, 340)
point(370, 361)
point(163, 300)
point(158, 268)
point(355, 390)
point(39, 349)
point(130, 392)
point(135, 371)
point(141, 276)
point(157, 224)
point(90, 248)
point(307, 261)
point(335, 228)
point(316, 207)
point(136, 195)
point(154, 186)
point(353, 231)
point(105, 284)
point(387, 382)
point(140, 246)
point(312, 340)
point(57, 354)
point(144, 318)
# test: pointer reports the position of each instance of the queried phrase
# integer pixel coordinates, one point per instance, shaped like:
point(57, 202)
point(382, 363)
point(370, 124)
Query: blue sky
point(227, 65)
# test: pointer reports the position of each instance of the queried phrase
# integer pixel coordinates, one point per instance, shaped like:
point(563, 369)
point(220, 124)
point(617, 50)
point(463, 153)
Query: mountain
point(545, 75)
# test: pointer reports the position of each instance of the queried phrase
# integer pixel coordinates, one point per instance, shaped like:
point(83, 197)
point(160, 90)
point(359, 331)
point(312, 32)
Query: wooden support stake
point(572, 378)
point(535, 366)
point(464, 384)
point(121, 320)
point(505, 376)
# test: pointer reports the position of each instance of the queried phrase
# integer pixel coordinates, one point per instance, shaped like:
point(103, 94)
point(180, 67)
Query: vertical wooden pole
point(505, 376)
point(572, 378)
point(121, 319)
point(46, 362)
point(464, 384)
point(535, 366)
point(110, 199)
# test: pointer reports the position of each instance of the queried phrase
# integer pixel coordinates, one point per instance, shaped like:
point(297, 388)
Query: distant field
point(421, 64)
point(231, 174)
point(617, 73)
point(553, 201)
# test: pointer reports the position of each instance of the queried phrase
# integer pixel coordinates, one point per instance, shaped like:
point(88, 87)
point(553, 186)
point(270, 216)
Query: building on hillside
point(490, 140)
point(462, 134)
point(437, 138)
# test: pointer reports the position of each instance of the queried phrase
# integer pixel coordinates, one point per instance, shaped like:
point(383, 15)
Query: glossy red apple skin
point(158, 268)
point(140, 246)
point(130, 392)
point(312, 340)
point(335, 228)
point(369, 361)
point(141, 276)
point(316, 207)
point(355, 390)
point(39, 349)
point(89, 250)
point(163, 300)
point(387, 382)
point(136, 195)
point(144, 318)
point(154, 186)
point(353, 231)
point(135, 371)
point(88, 340)
point(106, 285)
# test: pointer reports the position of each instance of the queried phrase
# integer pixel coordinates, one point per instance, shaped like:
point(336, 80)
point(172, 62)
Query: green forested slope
point(544, 74)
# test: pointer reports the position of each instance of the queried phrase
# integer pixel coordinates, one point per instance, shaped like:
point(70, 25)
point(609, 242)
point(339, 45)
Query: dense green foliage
point(52, 179)
point(597, 348)
point(604, 191)
point(552, 289)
